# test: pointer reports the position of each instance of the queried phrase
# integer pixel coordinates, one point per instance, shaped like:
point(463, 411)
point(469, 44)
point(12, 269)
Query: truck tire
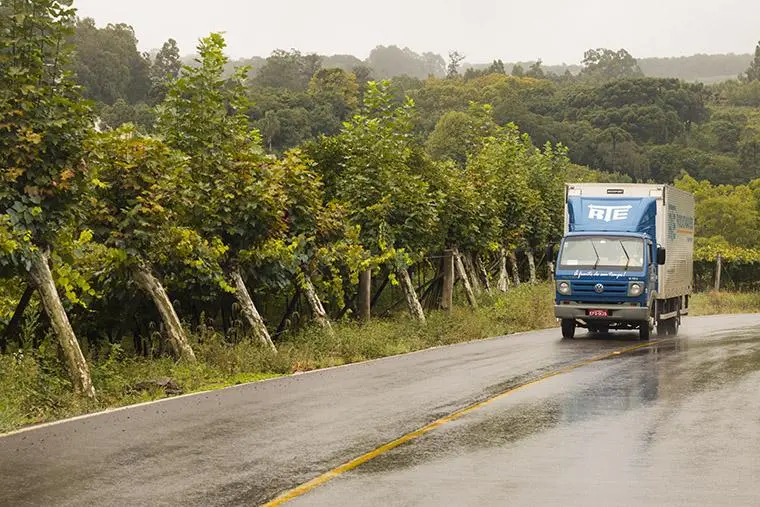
point(644, 330)
point(568, 329)
point(668, 327)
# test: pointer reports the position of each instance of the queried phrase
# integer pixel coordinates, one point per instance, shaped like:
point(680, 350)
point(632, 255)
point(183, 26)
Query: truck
point(626, 258)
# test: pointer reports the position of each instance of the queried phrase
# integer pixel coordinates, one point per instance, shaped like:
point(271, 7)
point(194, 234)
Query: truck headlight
point(564, 288)
point(635, 289)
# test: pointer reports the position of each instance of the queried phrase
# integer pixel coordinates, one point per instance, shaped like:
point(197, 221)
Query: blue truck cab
point(625, 261)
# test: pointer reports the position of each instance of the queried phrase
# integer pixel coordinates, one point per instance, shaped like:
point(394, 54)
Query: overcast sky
point(514, 30)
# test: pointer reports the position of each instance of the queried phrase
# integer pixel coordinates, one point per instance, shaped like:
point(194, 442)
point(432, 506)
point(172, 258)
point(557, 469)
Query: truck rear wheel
point(668, 327)
point(644, 330)
point(568, 328)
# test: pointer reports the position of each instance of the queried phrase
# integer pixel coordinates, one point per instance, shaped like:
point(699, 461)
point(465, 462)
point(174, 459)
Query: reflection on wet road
point(674, 424)
point(677, 423)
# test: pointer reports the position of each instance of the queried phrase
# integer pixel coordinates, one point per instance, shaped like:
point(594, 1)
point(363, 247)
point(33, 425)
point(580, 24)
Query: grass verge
point(34, 387)
point(714, 303)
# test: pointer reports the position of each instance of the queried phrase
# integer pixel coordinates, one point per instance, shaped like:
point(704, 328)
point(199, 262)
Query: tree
point(536, 71)
point(288, 69)
point(287, 119)
point(458, 134)
point(390, 61)
point(455, 59)
point(504, 163)
point(234, 197)
point(375, 170)
point(43, 122)
point(166, 67)
point(108, 65)
point(547, 176)
point(606, 65)
point(320, 245)
point(135, 180)
point(336, 89)
point(364, 75)
point(121, 112)
point(342, 62)
point(753, 71)
point(730, 212)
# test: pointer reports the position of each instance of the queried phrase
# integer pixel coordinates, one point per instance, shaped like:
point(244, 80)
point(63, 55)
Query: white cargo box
point(675, 228)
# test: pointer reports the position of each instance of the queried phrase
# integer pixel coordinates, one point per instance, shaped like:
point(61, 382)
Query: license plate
point(598, 313)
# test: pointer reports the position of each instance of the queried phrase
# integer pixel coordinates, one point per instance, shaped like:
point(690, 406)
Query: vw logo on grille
point(599, 288)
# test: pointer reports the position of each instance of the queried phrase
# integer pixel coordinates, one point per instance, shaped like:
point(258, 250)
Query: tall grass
point(34, 387)
point(713, 303)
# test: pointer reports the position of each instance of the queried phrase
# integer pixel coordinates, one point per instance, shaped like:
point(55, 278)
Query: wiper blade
point(626, 254)
point(597, 254)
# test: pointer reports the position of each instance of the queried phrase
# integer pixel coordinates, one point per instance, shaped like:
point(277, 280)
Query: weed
point(34, 386)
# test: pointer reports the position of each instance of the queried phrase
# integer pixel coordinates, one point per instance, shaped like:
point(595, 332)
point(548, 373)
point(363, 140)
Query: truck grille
point(586, 288)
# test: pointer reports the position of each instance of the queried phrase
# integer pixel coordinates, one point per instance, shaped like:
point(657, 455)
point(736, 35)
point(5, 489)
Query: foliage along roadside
point(203, 206)
point(199, 213)
point(34, 387)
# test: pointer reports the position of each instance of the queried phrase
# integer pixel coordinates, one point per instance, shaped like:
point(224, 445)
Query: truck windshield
point(595, 252)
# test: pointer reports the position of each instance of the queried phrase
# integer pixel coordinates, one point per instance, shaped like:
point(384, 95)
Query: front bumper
point(617, 313)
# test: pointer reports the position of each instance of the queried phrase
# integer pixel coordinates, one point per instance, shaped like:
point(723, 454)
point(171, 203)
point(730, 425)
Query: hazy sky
point(555, 30)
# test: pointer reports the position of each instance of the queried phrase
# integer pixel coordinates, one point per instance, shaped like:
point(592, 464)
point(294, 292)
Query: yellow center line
point(335, 472)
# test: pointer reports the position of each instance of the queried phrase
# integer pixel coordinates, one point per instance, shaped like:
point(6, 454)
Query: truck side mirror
point(660, 256)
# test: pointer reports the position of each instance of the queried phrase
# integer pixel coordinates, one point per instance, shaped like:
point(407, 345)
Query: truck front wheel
point(568, 328)
point(644, 330)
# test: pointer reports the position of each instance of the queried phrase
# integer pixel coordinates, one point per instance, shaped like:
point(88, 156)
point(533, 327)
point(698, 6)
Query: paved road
point(677, 423)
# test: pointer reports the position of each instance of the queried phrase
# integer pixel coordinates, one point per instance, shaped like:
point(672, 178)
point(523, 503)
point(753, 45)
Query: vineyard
point(119, 239)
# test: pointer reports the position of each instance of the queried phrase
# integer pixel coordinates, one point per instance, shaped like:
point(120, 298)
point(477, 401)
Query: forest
point(150, 202)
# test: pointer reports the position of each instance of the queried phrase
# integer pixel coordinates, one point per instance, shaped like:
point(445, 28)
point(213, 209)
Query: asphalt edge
point(109, 411)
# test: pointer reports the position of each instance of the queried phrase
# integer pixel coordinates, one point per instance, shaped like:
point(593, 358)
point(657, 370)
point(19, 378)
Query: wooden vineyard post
point(447, 294)
point(365, 295)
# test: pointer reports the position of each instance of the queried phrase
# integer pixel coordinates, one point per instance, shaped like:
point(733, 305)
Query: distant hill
point(704, 68)
point(393, 61)
point(701, 67)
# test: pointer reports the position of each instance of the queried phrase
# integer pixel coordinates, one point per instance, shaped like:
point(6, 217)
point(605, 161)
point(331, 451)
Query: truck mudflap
point(615, 313)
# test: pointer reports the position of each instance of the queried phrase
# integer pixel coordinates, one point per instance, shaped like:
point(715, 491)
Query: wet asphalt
point(677, 423)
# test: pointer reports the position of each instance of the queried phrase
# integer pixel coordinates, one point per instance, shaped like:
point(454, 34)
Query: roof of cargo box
point(612, 214)
point(614, 189)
